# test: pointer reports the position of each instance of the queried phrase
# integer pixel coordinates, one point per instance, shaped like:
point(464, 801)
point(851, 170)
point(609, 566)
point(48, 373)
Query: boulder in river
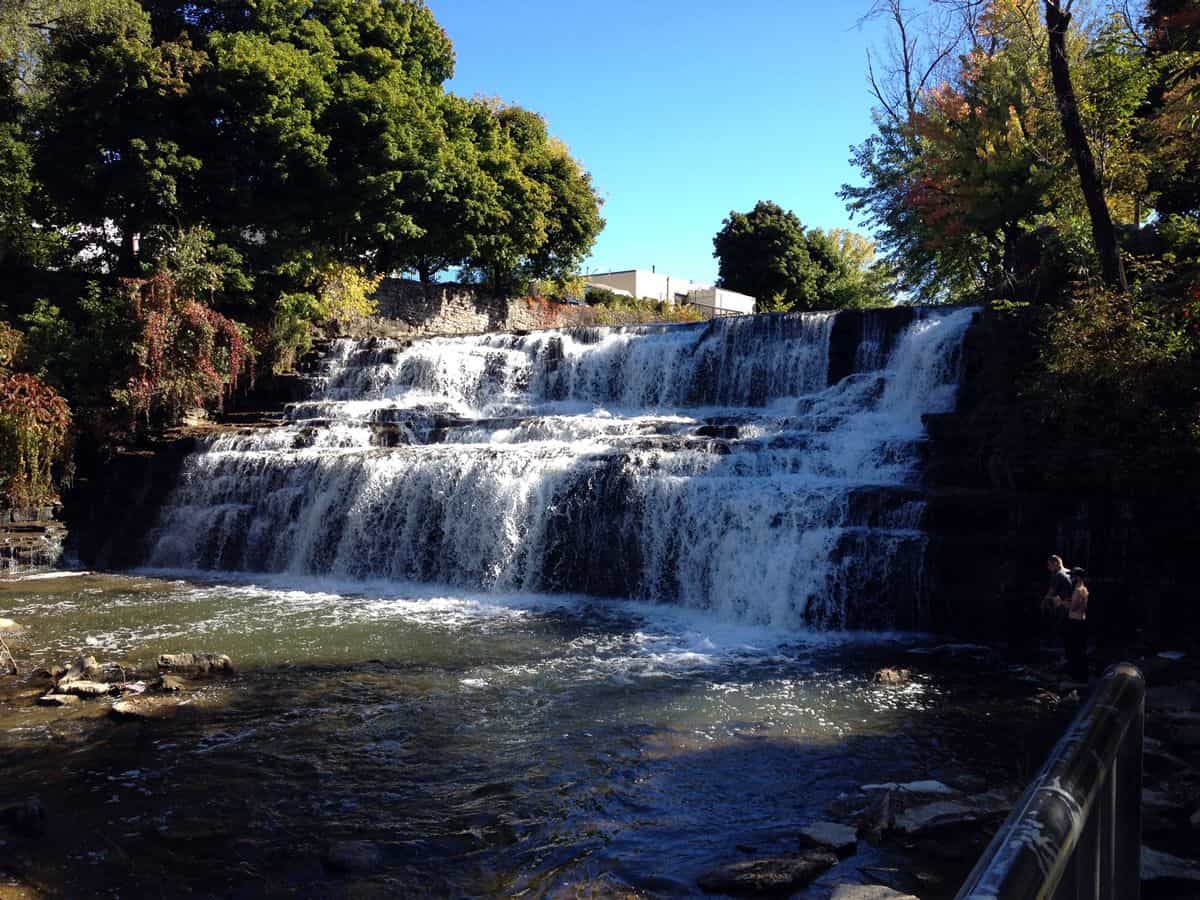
point(867, 892)
point(167, 684)
point(86, 688)
point(83, 668)
point(892, 677)
point(841, 839)
point(770, 875)
point(935, 816)
point(58, 700)
point(196, 663)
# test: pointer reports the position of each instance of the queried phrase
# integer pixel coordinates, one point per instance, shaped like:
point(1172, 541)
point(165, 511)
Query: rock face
point(196, 663)
point(768, 876)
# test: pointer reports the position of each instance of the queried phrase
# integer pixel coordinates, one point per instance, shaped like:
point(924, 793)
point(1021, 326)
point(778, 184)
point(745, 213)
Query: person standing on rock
point(1058, 591)
point(1075, 633)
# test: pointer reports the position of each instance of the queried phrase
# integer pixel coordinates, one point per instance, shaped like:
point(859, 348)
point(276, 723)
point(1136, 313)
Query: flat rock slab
point(58, 700)
point(85, 688)
point(841, 839)
point(196, 663)
point(935, 816)
point(929, 788)
point(768, 876)
point(867, 892)
point(1157, 866)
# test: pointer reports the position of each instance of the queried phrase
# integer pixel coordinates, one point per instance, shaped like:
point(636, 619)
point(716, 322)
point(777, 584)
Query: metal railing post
point(1076, 831)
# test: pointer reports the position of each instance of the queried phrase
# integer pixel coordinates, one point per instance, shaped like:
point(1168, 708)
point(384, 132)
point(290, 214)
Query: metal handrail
point(1077, 830)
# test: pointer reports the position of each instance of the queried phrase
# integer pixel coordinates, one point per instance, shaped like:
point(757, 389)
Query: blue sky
point(681, 111)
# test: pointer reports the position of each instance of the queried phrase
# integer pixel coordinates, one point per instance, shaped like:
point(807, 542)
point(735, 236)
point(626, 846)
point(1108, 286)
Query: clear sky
point(682, 111)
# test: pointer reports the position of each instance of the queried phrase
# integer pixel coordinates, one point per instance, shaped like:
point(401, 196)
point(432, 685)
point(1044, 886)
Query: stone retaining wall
point(406, 308)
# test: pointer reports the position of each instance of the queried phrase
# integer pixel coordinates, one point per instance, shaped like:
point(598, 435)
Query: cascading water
point(766, 468)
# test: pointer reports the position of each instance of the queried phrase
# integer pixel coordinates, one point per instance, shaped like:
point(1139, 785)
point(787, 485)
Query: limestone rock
point(84, 668)
point(841, 839)
point(168, 684)
point(935, 816)
point(1158, 866)
point(196, 663)
point(8, 627)
point(85, 688)
point(770, 875)
point(867, 892)
point(892, 676)
point(58, 700)
point(51, 674)
point(878, 817)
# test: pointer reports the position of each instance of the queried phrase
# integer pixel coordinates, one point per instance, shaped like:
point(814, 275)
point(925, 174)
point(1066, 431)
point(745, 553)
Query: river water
point(481, 745)
point(562, 614)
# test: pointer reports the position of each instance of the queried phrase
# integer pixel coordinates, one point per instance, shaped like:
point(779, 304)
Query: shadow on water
point(385, 778)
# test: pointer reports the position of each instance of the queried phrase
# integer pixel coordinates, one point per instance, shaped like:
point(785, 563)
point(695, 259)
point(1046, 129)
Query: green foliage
point(769, 254)
point(613, 309)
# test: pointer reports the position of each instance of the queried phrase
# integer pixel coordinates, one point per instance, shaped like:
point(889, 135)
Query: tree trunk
point(1103, 234)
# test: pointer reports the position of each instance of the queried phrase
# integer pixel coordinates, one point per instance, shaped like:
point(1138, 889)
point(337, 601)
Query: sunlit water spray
point(712, 466)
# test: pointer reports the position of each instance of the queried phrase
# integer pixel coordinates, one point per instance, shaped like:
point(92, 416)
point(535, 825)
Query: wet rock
point(51, 674)
point(168, 684)
point(1158, 866)
point(196, 663)
point(892, 677)
point(127, 711)
point(771, 875)
point(928, 788)
point(27, 818)
point(841, 839)
point(84, 668)
point(353, 856)
point(58, 700)
point(8, 627)
point(85, 688)
point(936, 816)
point(867, 892)
point(877, 818)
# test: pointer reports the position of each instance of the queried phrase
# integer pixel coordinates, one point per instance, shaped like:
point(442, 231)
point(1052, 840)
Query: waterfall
point(766, 468)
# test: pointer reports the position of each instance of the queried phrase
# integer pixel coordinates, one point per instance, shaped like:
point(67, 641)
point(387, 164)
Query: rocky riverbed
point(366, 744)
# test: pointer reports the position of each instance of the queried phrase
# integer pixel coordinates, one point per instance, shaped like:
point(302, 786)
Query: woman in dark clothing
point(1075, 637)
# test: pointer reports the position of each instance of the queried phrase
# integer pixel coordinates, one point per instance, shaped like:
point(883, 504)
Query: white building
point(653, 285)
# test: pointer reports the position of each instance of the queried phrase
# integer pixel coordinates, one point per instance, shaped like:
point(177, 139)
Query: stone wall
point(406, 308)
point(994, 515)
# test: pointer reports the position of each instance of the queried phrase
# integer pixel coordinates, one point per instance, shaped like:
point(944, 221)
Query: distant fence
point(1077, 830)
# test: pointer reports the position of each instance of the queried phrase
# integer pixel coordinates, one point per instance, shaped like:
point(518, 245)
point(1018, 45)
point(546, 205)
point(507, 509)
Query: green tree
point(769, 254)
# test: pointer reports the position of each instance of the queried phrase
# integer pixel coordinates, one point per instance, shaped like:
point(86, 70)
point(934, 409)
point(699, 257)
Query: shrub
point(35, 427)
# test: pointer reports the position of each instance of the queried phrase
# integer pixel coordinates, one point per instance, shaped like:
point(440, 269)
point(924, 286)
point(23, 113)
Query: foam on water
point(711, 466)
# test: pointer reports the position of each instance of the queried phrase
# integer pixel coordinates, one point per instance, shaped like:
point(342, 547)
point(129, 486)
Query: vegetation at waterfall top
point(189, 193)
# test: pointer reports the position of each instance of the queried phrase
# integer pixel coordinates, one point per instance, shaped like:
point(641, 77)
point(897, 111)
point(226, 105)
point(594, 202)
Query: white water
point(710, 466)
